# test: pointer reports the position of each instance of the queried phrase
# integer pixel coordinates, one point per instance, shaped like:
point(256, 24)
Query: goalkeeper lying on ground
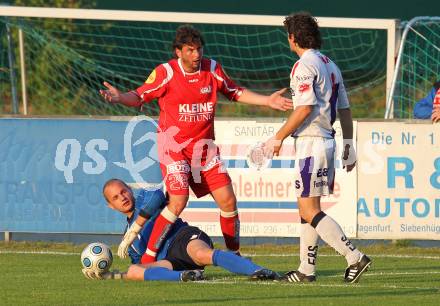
point(185, 251)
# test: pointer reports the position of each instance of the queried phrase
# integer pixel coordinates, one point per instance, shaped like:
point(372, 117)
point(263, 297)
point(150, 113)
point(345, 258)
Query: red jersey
point(188, 100)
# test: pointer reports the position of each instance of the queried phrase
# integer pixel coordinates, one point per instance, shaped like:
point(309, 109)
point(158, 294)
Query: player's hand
point(277, 101)
point(129, 237)
point(115, 274)
point(348, 155)
point(272, 147)
point(91, 274)
point(112, 94)
point(435, 116)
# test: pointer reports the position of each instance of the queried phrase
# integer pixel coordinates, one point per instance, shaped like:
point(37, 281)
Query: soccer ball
point(97, 257)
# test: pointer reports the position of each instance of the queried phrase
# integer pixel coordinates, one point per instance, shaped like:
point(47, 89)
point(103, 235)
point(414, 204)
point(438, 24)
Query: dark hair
point(305, 30)
point(111, 181)
point(187, 35)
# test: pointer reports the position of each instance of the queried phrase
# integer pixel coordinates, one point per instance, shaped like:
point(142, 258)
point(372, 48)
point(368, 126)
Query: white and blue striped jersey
point(315, 80)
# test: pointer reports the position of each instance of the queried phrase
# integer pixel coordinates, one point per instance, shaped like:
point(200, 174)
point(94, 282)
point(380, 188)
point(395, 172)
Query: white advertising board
point(398, 180)
point(266, 198)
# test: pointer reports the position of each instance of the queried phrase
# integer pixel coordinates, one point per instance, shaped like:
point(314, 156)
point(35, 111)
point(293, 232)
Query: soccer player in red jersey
point(186, 88)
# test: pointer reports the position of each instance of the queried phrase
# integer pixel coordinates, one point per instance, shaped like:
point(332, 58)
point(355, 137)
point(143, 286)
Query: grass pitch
point(50, 274)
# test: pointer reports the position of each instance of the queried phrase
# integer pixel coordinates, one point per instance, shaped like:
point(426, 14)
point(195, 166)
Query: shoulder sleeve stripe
point(164, 82)
point(293, 69)
point(213, 66)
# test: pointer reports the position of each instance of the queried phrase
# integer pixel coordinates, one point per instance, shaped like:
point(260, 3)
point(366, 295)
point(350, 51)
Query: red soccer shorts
point(186, 168)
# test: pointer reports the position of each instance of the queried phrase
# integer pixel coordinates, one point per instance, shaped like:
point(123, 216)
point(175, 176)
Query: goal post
point(417, 65)
point(231, 36)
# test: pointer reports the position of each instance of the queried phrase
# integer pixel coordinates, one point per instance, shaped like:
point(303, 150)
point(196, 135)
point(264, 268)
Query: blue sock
point(161, 274)
point(234, 263)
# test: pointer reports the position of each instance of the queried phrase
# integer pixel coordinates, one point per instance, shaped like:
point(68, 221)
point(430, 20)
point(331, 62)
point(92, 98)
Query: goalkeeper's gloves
point(129, 237)
point(90, 274)
point(115, 274)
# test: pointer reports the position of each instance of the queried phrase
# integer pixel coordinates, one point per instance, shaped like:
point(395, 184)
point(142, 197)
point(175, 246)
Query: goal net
point(67, 59)
point(418, 65)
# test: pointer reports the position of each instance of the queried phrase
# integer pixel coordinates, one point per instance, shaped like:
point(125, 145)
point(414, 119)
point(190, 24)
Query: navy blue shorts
point(177, 254)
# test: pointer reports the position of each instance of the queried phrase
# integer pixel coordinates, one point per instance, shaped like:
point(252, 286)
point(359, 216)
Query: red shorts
point(204, 175)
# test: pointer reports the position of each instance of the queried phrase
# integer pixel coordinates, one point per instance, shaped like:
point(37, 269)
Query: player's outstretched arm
point(113, 95)
point(130, 236)
point(349, 154)
point(135, 272)
point(115, 274)
point(275, 100)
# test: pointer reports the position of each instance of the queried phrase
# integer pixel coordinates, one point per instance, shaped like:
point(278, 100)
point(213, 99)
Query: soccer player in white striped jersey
point(318, 93)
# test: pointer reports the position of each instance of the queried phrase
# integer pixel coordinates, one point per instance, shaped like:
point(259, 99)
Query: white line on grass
point(336, 255)
point(248, 254)
point(264, 283)
point(243, 280)
point(38, 252)
point(391, 273)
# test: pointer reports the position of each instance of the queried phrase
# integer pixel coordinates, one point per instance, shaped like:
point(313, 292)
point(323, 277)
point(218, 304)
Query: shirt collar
point(308, 51)
point(179, 62)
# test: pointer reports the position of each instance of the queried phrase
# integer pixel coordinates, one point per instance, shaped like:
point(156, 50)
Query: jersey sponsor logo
point(303, 87)
point(196, 108)
point(196, 112)
point(205, 90)
point(195, 117)
point(193, 80)
point(212, 163)
point(302, 78)
point(180, 166)
point(151, 77)
point(177, 181)
point(318, 184)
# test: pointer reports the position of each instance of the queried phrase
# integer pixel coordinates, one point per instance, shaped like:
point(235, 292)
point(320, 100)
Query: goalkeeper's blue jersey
point(152, 202)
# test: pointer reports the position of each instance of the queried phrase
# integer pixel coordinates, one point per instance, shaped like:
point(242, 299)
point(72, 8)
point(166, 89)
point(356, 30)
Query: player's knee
point(306, 218)
point(228, 204)
point(308, 215)
point(177, 204)
point(130, 271)
point(203, 257)
point(135, 272)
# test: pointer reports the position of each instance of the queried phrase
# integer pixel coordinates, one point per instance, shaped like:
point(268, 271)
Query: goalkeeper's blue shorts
point(177, 253)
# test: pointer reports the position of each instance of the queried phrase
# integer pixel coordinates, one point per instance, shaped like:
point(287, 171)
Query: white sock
point(308, 248)
point(332, 234)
